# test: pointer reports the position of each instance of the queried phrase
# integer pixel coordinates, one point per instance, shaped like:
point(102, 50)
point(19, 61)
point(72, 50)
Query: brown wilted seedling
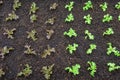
point(29, 50)
point(12, 16)
point(53, 6)
point(2, 73)
point(49, 33)
point(32, 34)
point(51, 21)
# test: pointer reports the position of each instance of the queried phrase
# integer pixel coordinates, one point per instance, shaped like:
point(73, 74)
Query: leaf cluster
point(29, 50)
point(2, 72)
point(69, 6)
point(87, 5)
point(109, 31)
point(69, 18)
point(107, 18)
point(112, 66)
point(89, 35)
point(88, 19)
point(72, 48)
point(70, 33)
point(12, 16)
point(16, 4)
point(92, 47)
point(33, 8)
point(32, 35)
point(104, 6)
point(117, 6)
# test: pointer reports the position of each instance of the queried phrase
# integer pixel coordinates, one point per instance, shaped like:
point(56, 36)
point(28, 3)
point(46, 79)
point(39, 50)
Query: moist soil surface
point(15, 61)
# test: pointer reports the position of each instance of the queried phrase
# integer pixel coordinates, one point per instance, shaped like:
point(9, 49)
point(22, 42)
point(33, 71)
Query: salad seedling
point(70, 33)
point(92, 47)
point(112, 67)
point(117, 6)
point(88, 19)
point(87, 5)
point(33, 18)
point(12, 16)
point(69, 18)
point(53, 6)
point(109, 31)
point(47, 71)
point(72, 48)
point(51, 21)
point(32, 35)
point(16, 4)
point(69, 6)
point(107, 18)
point(48, 51)
point(25, 72)
point(33, 8)
point(9, 33)
point(2, 73)
point(92, 68)
point(29, 50)
point(104, 6)
point(74, 69)
point(49, 33)
point(119, 18)
point(89, 35)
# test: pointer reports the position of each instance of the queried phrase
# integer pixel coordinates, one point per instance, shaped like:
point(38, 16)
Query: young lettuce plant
point(87, 5)
point(32, 35)
point(92, 68)
point(49, 33)
point(117, 6)
point(74, 69)
point(70, 33)
point(33, 18)
point(33, 8)
point(12, 16)
point(109, 31)
point(29, 50)
point(119, 18)
point(104, 6)
point(107, 18)
point(53, 6)
point(2, 73)
point(92, 47)
point(16, 4)
point(50, 21)
point(69, 6)
point(89, 35)
point(112, 67)
point(88, 19)
point(69, 18)
point(72, 48)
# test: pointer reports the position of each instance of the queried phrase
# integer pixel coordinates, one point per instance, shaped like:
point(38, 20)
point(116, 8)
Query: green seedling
point(47, 71)
point(2, 73)
point(33, 8)
point(117, 6)
point(69, 6)
point(48, 51)
point(74, 69)
point(29, 50)
point(88, 19)
point(33, 18)
point(49, 33)
point(25, 72)
point(12, 16)
point(16, 4)
point(104, 6)
point(70, 33)
point(87, 5)
point(53, 6)
point(107, 18)
point(32, 35)
point(69, 18)
point(112, 67)
point(109, 31)
point(72, 48)
point(119, 18)
point(51, 21)
point(92, 68)
point(92, 47)
point(89, 35)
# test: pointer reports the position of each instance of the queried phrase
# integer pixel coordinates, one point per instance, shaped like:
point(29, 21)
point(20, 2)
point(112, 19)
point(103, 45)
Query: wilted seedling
point(33, 8)
point(48, 52)
point(5, 50)
point(47, 71)
point(33, 18)
point(74, 69)
point(9, 33)
point(87, 5)
point(53, 6)
point(70, 33)
point(119, 18)
point(117, 6)
point(89, 35)
point(104, 6)
point(112, 67)
point(88, 19)
point(69, 18)
point(92, 47)
point(32, 35)
point(72, 48)
point(69, 6)
point(12, 16)
point(51, 21)
point(107, 18)
point(2, 73)
point(49, 33)
point(109, 31)
point(29, 50)
point(25, 72)
point(16, 4)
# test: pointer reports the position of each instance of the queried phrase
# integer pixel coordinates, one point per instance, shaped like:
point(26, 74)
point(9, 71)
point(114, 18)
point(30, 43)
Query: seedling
point(33, 8)
point(5, 50)
point(89, 35)
point(107, 18)
point(9, 33)
point(92, 68)
point(70, 33)
point(47, 71)
point(2, 73)
point(51, 21)
point(49, 33)
point(33, 18)
point(29, 50)
point(88, 19)
point(69, 18)
point(104, 6)
point(32, 35)
point(72, 48)
point(25, 72)
point(87, 5)
point(48, 52)
point(119, 18)
point(112, 67)
point(53, 6)
point(12, 16)
point(109, 31)
point(74, 69)
point(69, 6)
point(92, 47)
point(117, 6)
point(16, 4)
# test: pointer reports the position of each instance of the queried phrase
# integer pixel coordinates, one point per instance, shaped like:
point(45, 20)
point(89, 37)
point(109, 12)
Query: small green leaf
point(72, 48)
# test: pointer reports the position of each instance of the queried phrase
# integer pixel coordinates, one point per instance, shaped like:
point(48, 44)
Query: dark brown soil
point(14, 62)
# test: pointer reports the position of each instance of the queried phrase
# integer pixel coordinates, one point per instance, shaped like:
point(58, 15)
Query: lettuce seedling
point(49, 33)
point(12, 16)
point(47, 71)
point(89, 35)
point(109, 31)
point(87, 5)
point(33, 18)
point(92, 68)
point(32, 35)
point(29, 50)
point(69, 6)
point(107, 18)
point(53, 6)
point(117, 6)
point(119, 18)
point(92, 47)
point(74, 69)
point(104, 6)
point(2, 73)
point(88, 19)
point(33, 8)
point(69, 18)
point(70, 33)
point(72, 48)
point(25, 72)
point(16, 4)
point(112, 67)
point(51, 21)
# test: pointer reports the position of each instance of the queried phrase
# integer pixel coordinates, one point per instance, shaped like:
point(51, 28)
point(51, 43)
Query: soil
point(15, 61)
